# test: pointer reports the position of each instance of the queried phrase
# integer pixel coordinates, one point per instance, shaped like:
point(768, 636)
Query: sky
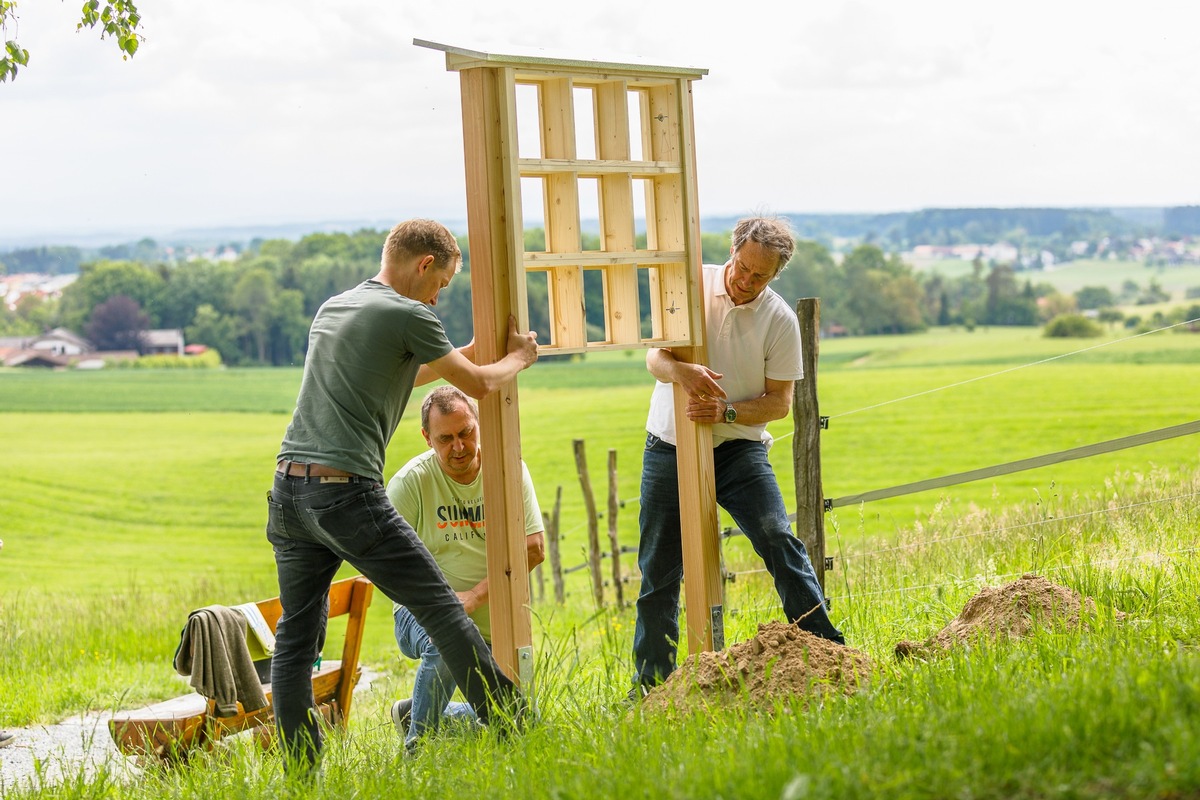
point(264, 112)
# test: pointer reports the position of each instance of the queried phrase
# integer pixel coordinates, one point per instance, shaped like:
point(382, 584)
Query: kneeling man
point(440, 493)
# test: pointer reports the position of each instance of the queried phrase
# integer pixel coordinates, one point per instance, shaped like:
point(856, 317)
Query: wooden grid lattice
point(649, 107)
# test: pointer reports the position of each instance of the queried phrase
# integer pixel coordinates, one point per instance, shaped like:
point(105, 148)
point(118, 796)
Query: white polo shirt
point(747, 344)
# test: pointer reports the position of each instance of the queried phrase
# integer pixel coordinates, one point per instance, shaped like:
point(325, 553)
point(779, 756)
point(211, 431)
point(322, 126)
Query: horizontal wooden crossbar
point(592, 168)
point(602, 258)
point(1086, 451)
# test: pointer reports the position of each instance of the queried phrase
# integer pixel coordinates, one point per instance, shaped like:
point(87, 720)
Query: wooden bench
point(168, 730)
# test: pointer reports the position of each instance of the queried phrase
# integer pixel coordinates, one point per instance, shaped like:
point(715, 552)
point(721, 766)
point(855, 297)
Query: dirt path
point(45, 755)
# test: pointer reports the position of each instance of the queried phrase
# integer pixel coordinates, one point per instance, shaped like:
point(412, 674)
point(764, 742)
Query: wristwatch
point(730, 412)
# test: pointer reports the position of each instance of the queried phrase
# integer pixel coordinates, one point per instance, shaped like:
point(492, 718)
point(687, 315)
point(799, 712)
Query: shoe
point(7, 738)
point(402, 715)
point(636, 694)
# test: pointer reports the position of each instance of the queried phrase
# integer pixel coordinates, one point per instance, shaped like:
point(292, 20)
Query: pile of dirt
point(1011, 610)
point(782, 661)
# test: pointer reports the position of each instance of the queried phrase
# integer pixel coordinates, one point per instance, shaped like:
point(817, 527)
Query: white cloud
point(275, 111)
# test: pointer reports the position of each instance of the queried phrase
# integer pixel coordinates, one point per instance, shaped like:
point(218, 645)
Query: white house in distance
point(63, 348)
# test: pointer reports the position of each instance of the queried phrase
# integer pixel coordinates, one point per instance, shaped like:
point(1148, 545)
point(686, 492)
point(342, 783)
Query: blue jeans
point(314, 527)
point(434, 684)
point(747, 489)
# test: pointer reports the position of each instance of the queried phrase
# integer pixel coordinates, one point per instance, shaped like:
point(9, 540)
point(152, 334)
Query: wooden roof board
point(458, 58)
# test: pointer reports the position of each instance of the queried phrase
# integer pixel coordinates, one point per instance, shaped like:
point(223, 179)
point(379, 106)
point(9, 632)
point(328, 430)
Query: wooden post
point(498, 290)
point(702, 587)
point(556, 572)
point(593, 523)
point(613, 506)
point(806, 444)
point(539, 573)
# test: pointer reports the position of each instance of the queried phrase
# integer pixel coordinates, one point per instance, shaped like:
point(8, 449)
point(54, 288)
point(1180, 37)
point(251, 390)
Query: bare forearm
point(696, 379)
point(761, 410)
point(477, 595)
point(661, 364)
point(474, 598)
point(771, 405)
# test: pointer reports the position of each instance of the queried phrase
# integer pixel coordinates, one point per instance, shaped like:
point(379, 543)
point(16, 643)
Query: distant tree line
point(1031, 229)
point(256, 308)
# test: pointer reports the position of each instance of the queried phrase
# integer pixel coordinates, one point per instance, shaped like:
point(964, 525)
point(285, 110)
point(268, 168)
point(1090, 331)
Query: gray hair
point(447, 399)
point(773, 233)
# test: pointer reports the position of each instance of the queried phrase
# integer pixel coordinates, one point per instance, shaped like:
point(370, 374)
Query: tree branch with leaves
point(117, 19)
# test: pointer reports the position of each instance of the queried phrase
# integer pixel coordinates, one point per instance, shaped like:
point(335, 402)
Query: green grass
point(119, 521)
point(1072, 276)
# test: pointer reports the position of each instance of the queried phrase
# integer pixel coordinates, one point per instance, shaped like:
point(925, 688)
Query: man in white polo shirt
point(754, 359)
point(440, 493)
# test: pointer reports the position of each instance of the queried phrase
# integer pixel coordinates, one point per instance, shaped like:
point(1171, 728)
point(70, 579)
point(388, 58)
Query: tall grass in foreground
point(1105, 710)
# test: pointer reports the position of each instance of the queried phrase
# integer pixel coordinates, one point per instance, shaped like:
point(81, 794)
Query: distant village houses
point(44, 287)
point(62, 348)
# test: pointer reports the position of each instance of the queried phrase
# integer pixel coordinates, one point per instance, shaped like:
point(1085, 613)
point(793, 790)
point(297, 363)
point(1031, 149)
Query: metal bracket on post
point(525, 666)
point(824, 422)
point(717, 617)
point(829, 564)
point(828, 504)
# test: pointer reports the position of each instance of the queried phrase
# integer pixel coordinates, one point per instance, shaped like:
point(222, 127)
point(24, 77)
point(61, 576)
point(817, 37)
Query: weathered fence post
point(556, 572)
point(613, 504)
point(593, 523)
point(539, 574)
point(806, 444)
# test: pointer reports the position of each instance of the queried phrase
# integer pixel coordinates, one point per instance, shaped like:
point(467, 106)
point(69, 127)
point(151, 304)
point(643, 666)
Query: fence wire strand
point(944, 540)
point(1007, 528)
point(960, 582)
point(1011, 369)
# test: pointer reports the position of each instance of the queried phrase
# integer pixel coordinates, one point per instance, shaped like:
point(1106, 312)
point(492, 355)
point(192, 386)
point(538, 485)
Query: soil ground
point(1011, 610)
point(780, 662)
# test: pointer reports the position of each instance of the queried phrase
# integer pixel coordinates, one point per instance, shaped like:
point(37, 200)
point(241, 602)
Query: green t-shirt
point(364, 349)
point(448, 517)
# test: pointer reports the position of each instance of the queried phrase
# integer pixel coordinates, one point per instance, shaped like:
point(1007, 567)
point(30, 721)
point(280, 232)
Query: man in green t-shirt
point(440, 493)
point(367, 348)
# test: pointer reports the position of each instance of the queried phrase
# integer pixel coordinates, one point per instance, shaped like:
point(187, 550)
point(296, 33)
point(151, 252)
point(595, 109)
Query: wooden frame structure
point(650, 106)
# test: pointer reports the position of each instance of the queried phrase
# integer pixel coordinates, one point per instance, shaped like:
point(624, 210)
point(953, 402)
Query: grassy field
point(133, 497)
point(1071, 276)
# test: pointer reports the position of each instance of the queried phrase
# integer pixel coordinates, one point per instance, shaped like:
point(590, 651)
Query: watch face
point(730, 413)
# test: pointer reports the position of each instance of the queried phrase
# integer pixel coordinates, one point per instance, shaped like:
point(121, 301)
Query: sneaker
point(402, 715)
point(7, 738)
point(636, 694)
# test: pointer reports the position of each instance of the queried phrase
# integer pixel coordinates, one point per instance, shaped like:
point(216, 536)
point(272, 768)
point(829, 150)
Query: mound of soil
point(781, 661)
point(1011, 610)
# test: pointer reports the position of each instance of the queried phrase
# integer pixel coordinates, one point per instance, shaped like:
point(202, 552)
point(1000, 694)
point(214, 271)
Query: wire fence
point(1184, 429)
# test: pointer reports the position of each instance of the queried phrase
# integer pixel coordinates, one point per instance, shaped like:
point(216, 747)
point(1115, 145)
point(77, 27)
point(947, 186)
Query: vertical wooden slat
point(360, 597)
point(674, 308)
point(617, 229)
point(806, 444)
point(556, 110)
point(497, 288)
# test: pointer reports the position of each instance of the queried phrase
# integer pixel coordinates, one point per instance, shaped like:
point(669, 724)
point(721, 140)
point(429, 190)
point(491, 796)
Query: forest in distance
point(254, 306)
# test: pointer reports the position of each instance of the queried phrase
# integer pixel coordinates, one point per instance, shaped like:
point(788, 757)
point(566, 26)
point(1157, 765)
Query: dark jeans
point(314, 527)
point(747, 489)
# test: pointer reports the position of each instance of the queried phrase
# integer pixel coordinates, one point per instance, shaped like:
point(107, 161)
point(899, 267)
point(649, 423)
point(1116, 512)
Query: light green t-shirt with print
point(449, 518)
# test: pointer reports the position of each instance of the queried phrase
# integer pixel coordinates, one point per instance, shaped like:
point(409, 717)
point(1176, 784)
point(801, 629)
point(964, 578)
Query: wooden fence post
point(593, 523)
point(613, 504)
point(556, 572)
point(539, 574)
point(806, 444)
